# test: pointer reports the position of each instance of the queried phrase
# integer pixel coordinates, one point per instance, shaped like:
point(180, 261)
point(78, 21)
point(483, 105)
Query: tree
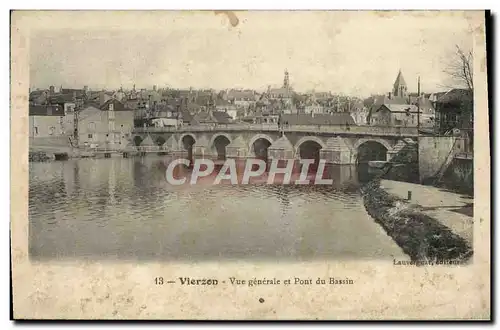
point(460, 68)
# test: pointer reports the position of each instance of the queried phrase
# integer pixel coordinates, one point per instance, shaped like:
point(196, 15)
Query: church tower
point(400, 89)
point(286, 80)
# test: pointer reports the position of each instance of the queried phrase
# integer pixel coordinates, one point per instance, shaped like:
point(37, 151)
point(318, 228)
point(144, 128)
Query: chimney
point(154, 88)
point(390, 95)
point(101, 98)
point(51, 90)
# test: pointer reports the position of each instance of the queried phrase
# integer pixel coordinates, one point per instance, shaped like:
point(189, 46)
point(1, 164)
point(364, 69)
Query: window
point(111, 125)
point(91, 126)
point(111, 107)
point(90, 136)
point(52, 130)
point(36, 130)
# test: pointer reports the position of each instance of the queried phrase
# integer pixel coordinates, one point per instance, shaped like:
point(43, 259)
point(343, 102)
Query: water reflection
point(124, 209)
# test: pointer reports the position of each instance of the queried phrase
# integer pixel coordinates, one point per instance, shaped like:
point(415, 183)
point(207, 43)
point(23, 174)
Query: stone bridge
point(335, 144)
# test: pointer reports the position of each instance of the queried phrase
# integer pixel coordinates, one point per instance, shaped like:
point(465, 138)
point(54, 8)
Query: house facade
point(241, 98)
point(228, 107)
point(360, 116)
point(400, 115)
point(46, 121)
point(166, 116)
point(455, 109)
point(106, 126)
point(314, 107)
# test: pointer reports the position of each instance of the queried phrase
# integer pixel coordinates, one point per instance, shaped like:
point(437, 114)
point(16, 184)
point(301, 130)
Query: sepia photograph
point(253, 137)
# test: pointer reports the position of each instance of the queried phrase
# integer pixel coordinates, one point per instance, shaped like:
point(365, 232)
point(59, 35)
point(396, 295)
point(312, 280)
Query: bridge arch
point(261, 150)
point(308, 147)
point(183, 138)
point(218, 144)
point(361, 141)
point(137, 140)
point(216, 135)
point(186, 144)
point(308, 139)
point(367, 149)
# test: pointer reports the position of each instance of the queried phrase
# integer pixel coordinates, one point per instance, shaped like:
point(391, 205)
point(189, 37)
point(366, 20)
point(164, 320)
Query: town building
point(312, 106)
point(399, 108)
point(360, 115)
point(211, 118)
point(166, 115)
point(39, 97)
point(46, 121)
point(105, 126)
point(278, 99)
point(394, 115)
point(240, 98)
point(454, 109)
point(262, 118)
point(228, 107)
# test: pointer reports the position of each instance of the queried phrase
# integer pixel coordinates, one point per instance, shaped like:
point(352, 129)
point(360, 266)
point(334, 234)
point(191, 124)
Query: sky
point(353, 53)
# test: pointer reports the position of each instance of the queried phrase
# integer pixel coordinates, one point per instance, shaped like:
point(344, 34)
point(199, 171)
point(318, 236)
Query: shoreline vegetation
point(419, 235)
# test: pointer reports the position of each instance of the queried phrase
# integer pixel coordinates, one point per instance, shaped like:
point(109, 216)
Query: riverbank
point(421, 236)
point(453, 210)
point(43, 156)
point(40, 157)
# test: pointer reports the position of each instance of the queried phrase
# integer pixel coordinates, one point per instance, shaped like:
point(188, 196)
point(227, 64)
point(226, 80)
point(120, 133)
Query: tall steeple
point(286, 80)
point(400, 89)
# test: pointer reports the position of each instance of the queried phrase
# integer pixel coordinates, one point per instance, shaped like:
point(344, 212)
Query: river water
point(124, 209)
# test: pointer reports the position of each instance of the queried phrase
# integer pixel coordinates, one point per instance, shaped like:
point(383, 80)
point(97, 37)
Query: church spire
point(400, 88)
point(286, 80)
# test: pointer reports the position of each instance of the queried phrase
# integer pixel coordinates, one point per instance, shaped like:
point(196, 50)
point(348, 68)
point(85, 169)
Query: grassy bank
point(420, 236)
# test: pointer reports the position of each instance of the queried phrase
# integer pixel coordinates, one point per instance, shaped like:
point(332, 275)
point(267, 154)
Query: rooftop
point(456, 95)
point(399, 107)
point(400, 81)
point(46, 110)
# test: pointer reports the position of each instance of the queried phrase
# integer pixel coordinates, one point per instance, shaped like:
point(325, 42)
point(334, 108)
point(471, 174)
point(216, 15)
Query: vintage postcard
point(250, 165)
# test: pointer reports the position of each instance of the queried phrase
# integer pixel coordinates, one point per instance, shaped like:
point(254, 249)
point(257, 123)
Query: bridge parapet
point(321, 129)
point(355, 130)
point(209, 128)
